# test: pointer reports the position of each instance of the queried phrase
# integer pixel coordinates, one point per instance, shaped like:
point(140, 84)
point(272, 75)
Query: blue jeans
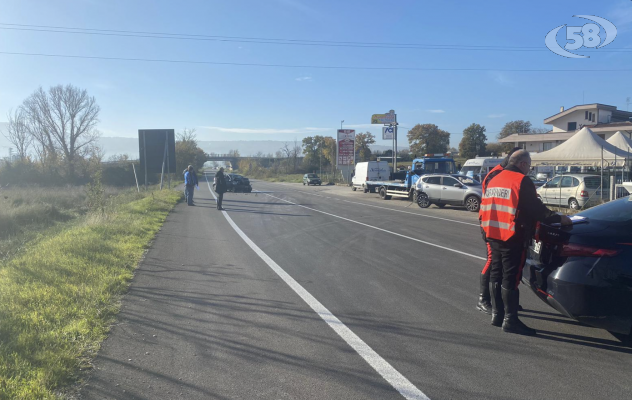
point(188, 194)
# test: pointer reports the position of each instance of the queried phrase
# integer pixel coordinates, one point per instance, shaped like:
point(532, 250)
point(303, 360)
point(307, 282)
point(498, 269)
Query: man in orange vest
point(509, 211)
point(484, 298)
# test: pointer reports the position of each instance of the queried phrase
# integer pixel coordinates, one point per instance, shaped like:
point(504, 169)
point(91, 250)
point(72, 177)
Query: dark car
point(585, 271)
point(237, 183)
point(311, 179)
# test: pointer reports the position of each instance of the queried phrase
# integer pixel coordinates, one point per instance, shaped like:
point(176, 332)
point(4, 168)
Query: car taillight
point(367, 178)
point(578, 250)
point(584, 193)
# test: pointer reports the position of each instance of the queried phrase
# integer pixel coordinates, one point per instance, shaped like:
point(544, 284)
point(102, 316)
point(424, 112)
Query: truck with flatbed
point(405, 188)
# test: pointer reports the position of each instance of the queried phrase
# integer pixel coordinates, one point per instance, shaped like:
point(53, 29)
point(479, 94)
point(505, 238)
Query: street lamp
point(341, 123)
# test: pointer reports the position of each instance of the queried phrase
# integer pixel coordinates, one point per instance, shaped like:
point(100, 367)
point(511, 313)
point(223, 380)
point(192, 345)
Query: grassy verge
point(59, 297)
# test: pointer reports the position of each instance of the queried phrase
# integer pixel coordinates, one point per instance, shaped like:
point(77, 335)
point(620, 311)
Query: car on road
point(236, 183)
point(452, 189)
point(585, 271)
point(575, 191)
point(311, 179)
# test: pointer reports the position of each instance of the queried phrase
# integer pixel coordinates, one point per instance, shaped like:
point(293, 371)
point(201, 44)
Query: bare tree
point(18, 133)
point(287, 152)
point(296, 151)
point(63, 121)
point(187, 135)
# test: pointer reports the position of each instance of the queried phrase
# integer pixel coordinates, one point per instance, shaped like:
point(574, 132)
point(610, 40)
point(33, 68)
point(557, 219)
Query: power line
point(307, 66)
point(261, 40)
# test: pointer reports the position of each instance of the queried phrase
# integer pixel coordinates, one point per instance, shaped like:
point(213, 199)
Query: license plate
point(537, 246)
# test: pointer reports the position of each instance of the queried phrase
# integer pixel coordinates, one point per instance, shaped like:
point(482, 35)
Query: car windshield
point(312, 176)
point(466, 180)
point(439, 167)
point(472, 168)
point(615, 211)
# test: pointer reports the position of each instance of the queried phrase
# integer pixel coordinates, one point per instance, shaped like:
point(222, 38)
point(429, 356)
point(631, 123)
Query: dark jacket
point(530, 209)
point(220, 182)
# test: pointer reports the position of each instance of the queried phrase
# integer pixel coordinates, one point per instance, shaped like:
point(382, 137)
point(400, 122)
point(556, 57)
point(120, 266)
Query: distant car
point(542, 176)
point(536, 182)
point(442, 189)
point(573, 190)
point(237, 183)
point(584, 271)
point(311, 179)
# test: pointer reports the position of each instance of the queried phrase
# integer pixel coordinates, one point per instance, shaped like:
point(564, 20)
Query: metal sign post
point(390, 126)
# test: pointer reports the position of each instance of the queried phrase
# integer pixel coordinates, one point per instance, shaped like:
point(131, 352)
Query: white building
point(602, 119)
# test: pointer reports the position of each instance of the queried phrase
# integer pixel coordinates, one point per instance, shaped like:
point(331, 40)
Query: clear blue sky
point(266, 103)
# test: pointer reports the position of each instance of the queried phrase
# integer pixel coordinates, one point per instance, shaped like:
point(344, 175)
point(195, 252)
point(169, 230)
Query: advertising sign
point(346, 147)
point(388, 132)
point(386, 119)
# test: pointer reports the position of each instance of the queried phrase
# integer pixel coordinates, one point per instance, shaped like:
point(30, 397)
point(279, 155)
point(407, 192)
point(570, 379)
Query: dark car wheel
point(383, 194)
point(414, 197)
point(353, 188)
point(472, 203)
point(303, 183)
point(422, 200)
point(573, 204)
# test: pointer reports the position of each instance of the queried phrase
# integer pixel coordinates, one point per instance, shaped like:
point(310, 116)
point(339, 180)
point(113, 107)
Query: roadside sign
point(386, 119)
point(388, 132)
point(346, 147)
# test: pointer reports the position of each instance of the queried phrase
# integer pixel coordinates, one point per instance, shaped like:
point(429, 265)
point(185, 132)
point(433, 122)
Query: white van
point(369, 171)
point(478, 168)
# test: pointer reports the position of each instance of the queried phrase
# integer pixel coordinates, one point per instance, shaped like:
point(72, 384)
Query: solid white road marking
point(384, 230)
point(386, 208)
point(380, 365)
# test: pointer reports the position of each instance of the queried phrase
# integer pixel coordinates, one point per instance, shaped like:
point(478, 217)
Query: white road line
point(390, 209)
point(380, 365)
point(384, 230)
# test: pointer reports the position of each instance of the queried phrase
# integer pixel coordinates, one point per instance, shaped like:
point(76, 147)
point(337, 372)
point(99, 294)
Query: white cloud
point(268, 131)
point(304, 78)
point(500, 78)
point(436, 111)
point(496, 115)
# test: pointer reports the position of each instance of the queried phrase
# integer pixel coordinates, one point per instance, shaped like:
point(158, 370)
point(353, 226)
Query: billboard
point(386, 119)
point(152, 144)
point(346, 147)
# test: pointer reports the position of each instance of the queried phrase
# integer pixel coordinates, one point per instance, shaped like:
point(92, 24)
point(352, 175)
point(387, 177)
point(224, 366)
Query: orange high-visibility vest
point(489, 174)
point(499, 206)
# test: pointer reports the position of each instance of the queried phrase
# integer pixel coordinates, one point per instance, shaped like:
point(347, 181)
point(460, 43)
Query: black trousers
point(508, 259)
point(220, 198)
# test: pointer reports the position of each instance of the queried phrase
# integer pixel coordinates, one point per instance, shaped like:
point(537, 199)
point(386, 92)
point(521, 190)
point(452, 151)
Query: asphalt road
point(323, 293)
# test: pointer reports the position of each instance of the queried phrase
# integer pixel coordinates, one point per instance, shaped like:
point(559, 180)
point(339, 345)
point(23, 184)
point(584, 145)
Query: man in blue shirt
point(190, 180)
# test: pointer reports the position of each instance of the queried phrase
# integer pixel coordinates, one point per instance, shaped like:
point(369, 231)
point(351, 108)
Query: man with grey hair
point(509, 212)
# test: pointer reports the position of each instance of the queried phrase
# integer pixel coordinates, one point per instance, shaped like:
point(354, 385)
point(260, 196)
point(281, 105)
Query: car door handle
point(444, 188)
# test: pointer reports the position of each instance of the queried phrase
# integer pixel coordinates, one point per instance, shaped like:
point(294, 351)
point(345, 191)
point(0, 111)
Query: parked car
point(536, 181)
point(453, 189)
point(311, 179)
point(238, 183)
point(584, 271)
point(573, 190)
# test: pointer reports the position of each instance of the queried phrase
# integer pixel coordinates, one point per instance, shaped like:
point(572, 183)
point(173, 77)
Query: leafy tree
point(494, 149)
point(187, 151)
point(512, 127)
point(428, 138)
point(362, 149)
point(473, 142)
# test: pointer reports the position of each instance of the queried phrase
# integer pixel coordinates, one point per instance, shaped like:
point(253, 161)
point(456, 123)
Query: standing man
point(484, 298)
point(220, 187)
point(190, 181)
point(509, 211)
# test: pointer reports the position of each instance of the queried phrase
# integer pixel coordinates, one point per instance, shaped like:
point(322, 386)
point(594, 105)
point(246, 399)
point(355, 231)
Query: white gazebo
point(621, 141)
point(584, 148)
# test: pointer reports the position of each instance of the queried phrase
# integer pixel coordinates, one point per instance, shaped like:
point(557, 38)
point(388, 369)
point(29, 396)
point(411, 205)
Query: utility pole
point(341, 123)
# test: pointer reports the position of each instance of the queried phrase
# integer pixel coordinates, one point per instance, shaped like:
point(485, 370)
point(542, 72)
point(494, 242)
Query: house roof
point(587, 107)
point(536, 137)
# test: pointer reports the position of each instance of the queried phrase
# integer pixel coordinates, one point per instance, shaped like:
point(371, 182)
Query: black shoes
point(511, 323)
point(498, 307)
point(484, 301)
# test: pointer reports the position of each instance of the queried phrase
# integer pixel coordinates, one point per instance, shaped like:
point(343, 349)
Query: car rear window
point(614, 211)
point(592, 182)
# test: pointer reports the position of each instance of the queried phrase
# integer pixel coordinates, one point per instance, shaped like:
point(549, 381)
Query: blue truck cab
point(405, 186)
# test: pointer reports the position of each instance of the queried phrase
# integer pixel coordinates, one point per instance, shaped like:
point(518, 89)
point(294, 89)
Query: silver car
point(442, 189)
point(572, 190)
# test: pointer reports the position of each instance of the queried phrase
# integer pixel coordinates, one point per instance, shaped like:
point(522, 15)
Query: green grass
point(59, 296)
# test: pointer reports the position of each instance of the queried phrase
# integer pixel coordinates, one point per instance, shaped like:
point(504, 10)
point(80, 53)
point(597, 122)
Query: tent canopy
point(583, 149)
point(621, 141)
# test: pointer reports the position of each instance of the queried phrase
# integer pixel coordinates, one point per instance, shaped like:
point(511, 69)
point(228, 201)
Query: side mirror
point(458, 185)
